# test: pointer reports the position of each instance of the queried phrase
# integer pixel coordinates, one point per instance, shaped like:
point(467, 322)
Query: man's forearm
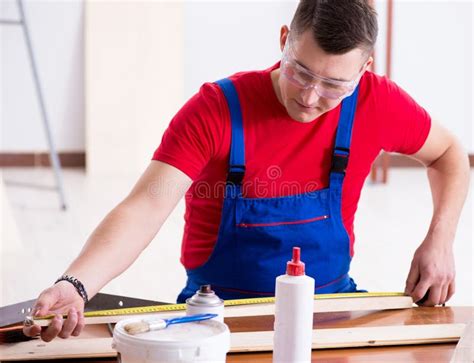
point(113, 246)
point(449, 181)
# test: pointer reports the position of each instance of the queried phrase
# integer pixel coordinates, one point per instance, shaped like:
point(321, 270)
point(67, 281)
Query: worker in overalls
point(276, 158)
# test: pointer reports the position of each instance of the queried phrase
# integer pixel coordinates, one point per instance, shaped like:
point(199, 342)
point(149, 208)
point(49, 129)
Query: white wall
point(222, 37)
point(432, 60)
point(134, 81)
point(56, 29)
point(225, 37)
point(431, 54)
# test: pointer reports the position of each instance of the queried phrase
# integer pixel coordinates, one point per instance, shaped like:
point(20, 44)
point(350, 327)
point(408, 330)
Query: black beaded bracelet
point(77, 284)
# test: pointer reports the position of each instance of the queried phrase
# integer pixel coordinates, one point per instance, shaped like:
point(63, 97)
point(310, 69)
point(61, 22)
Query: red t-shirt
point(283, 156)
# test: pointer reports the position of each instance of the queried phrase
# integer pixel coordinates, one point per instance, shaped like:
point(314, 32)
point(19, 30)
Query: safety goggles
point(303, 78)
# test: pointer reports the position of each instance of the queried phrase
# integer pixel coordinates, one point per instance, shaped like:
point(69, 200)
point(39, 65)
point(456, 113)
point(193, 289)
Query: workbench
point(439, 352)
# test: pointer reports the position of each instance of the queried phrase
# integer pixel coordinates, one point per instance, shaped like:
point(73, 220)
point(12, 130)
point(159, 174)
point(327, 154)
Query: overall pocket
point(281, 223)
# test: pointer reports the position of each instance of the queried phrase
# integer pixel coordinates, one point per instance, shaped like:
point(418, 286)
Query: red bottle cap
point(295, 267)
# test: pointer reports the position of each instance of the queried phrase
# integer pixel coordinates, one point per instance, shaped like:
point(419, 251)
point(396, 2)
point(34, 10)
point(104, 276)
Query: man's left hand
point(432, 272)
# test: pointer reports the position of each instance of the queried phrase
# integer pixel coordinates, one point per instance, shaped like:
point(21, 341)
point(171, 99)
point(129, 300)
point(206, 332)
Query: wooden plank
point(329, 305)
point(94, 341)
point(427, 353)
point(57, 349)
point(249, 341)
point(464, 351)
point(320, 306)
point(357, 337)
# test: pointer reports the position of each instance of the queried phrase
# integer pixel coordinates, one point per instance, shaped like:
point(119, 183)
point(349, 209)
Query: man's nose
point(309, 97)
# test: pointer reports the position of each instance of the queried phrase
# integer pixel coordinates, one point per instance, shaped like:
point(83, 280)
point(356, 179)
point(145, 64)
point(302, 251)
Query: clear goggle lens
point(305, 79)
point(301, 78)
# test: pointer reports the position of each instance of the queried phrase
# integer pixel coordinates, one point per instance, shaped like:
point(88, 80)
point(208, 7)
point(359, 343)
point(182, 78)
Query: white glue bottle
point(294, 296)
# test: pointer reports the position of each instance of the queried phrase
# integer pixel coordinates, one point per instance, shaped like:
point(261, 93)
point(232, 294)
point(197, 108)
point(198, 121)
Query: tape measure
point(250, 301)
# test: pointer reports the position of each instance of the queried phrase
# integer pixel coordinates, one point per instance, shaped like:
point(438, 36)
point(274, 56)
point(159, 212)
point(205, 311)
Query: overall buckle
point(340, 159)
point(236, 174)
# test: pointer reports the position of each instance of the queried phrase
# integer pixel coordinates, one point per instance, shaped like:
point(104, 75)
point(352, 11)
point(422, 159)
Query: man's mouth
point(306, 107)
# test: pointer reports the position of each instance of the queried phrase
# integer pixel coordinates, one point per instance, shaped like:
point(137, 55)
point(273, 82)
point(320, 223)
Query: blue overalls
point(256, 235)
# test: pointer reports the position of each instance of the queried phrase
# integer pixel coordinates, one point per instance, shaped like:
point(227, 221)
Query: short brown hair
point(338, 26)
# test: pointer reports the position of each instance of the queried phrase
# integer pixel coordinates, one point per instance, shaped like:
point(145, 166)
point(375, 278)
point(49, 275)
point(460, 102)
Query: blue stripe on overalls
point(256, 235)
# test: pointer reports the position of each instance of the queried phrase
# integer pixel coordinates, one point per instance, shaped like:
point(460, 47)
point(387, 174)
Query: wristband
point(77, 284)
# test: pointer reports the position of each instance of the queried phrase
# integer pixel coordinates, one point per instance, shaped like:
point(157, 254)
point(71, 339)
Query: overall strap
point(237, 149)
point(340, 157)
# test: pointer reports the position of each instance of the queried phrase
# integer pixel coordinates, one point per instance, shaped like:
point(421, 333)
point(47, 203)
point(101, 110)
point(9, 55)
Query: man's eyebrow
point(310, 71)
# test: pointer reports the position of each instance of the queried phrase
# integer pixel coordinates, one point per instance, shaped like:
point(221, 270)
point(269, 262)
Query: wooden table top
point(412, 353)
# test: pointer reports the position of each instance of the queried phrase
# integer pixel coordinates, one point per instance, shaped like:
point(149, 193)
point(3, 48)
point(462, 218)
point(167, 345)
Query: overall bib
point(256, 235)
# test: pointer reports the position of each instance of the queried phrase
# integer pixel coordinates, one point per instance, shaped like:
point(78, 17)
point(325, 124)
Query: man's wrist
point(441, 233)
point(77, 285)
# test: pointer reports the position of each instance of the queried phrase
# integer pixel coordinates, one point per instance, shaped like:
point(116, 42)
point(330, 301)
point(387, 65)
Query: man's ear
point(368, 63)
point(283, 36)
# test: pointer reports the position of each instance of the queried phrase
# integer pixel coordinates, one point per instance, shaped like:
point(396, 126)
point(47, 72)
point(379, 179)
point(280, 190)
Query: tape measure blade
point(124, 312)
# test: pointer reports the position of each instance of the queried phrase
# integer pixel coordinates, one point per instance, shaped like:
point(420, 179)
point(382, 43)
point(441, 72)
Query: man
point(275, 158)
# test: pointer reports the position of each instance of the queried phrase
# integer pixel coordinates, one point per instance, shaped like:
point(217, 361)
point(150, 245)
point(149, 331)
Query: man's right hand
point(61, 298)
point(108, 251)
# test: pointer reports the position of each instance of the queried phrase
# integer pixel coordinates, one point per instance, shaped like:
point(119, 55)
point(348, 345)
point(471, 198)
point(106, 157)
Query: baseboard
point(78, 160)
point(67, 159)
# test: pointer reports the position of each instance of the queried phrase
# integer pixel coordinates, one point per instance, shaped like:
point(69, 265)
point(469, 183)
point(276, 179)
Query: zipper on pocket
point(272, 224)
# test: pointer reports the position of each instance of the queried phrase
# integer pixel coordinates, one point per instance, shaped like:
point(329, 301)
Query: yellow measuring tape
point(258, 300)
point(238, 302)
